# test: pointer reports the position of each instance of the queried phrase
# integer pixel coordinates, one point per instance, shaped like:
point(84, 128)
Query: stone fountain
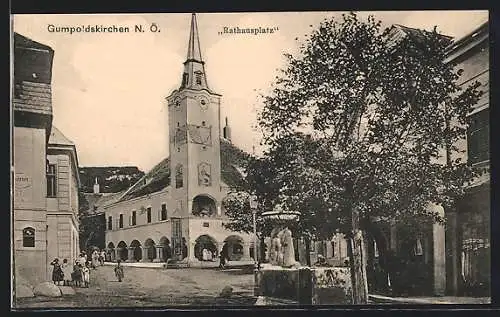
point(286, 279)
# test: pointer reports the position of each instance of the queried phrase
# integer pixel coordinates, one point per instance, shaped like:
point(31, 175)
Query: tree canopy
point(363, 118)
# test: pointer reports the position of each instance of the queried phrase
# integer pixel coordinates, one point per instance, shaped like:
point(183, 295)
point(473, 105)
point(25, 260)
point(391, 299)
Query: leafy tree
point(355, 128)
point(92, 230)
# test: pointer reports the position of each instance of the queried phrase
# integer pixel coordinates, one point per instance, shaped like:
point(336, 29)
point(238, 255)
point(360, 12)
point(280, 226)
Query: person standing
point(103, 257)
point(67, 270)
point(223, 256)
point(95, 259)
point(57, 273)
point(119, 271)
point(82, 259)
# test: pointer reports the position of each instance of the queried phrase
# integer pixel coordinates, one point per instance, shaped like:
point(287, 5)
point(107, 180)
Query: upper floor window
point(133, 221)
point(148, 211)
point(478, 137)
point(179, 177)
point(163, 215)
point(29, 237)
point(51, 180)
point(110, 223)
point(120, 224)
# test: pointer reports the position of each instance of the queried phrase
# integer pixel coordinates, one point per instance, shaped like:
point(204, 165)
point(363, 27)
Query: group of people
point(77, 274)
point(207, 255)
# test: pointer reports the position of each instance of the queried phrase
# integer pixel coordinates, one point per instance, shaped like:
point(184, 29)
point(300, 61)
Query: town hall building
point(176, 210)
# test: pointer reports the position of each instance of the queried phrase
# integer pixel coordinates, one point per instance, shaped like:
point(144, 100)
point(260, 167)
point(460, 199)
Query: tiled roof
point(33, 97)
point(232, 159)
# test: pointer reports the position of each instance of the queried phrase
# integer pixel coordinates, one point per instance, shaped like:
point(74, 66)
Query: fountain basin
point(305, 285)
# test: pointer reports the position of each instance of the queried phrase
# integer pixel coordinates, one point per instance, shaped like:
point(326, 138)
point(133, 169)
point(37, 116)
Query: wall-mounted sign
point(22, 181)
point(22, 185)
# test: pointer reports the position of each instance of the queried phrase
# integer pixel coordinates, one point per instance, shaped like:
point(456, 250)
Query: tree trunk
point(308, 251)
point(357, 261)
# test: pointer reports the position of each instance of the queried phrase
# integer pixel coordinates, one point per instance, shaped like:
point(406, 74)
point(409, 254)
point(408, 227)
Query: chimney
point(227, 132)
point(96, 187)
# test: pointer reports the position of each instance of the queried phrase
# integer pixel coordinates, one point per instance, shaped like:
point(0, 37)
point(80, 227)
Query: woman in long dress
point(67, 270)
point(95, 258)
point(57, 273)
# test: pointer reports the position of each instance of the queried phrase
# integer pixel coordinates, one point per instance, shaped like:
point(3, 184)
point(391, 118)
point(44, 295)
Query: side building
point(44, 168)
point(62, 198)
point(468, 229)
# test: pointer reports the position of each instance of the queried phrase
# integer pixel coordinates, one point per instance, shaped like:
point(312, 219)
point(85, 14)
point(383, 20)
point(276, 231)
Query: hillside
point(111, 179)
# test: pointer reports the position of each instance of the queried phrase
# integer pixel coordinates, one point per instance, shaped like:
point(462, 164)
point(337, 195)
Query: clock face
point(203, 103)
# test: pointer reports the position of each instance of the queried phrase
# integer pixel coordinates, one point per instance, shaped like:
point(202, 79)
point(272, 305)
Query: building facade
point(44, 167)
point(62, 198)
point(453, 259)
point(468, 229)
point(176, 211)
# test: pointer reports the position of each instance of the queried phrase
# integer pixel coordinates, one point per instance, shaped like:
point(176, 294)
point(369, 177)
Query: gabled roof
point(418, 34)
point(232, 159)
point(398, 32)
point(57, 137)
point(58, 140)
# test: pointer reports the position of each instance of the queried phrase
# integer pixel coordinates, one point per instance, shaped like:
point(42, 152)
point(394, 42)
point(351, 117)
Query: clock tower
point(194, 143)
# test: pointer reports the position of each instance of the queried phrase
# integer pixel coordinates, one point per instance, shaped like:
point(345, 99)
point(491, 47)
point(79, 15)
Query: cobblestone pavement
point(147, 287)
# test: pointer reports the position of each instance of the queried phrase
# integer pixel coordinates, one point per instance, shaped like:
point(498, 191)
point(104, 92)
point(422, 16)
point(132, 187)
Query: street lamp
point(253, 206)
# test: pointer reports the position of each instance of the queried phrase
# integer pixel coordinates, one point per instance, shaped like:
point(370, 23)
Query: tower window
point(29, 237)
point(203, 123)
point(178, 124)
point(178, 177)
point(185, 78)
point(198, 79)
point(51, 180)
point(178, 149)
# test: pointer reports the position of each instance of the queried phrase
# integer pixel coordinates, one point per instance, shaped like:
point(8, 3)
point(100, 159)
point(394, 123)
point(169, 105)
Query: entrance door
point(177, 239)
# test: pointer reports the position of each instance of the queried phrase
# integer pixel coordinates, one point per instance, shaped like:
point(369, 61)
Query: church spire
point(194, 52)
point(194, 76)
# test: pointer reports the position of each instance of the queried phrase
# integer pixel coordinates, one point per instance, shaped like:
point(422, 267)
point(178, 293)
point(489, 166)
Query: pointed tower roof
point(194, 52)
point(194, 76)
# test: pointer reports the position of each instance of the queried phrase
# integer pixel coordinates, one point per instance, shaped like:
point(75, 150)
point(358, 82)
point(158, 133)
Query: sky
point(109, 89)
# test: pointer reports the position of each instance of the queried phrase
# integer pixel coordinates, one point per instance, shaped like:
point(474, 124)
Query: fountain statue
point(282, 252)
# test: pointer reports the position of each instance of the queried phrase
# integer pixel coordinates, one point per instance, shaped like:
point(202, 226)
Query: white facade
point(194, 218)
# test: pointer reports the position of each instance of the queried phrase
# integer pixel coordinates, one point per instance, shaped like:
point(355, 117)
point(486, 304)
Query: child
point(86, 275)
point(76, 276)
point(119, 271)
point(67, 270)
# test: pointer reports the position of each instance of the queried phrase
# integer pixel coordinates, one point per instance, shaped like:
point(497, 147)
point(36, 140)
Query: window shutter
point(129, 220)
point(159, 214)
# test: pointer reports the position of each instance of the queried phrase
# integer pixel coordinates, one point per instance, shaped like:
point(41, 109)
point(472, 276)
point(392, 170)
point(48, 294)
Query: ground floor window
point(29, 237)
